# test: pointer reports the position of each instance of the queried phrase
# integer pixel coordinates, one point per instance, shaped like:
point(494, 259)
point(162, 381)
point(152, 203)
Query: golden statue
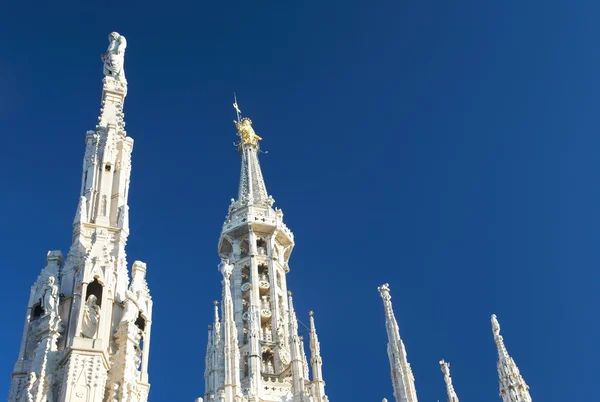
point(246, 132)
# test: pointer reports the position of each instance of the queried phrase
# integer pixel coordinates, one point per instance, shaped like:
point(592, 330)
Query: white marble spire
point(445, 366)
point(296, 354)
point(316, 361)
point(102, 352)
point(512, 385)
point(231, 351)
point(402, 376)
point(254, 349)
point(252, 189)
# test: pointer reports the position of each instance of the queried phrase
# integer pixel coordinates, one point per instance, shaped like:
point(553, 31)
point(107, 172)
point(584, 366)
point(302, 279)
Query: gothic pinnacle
point(512, 385)
point(445, 367)
point(401, 373)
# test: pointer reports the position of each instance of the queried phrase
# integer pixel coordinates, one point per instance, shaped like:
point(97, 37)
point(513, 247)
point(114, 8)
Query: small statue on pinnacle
point(114, 57)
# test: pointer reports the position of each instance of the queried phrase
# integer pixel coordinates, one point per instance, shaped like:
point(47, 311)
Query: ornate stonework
point(87, 329)
point(254, 351)
point(512, 385)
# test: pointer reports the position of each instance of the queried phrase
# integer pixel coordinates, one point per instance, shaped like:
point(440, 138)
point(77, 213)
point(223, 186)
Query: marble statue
point(130, 308)
point(114, 57)
point(226, 268)
point(91, 317)
point(49, 300)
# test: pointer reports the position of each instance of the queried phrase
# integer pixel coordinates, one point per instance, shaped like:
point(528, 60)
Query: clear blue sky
point(448, 148)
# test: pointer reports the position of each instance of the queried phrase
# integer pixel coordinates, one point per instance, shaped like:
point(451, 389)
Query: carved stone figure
point(226, 268)
point(131, 310)
point(91, 317)
point(114, 57)
point(49, 300)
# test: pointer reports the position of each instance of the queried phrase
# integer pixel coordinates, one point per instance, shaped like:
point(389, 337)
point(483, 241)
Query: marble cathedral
point(87, 327)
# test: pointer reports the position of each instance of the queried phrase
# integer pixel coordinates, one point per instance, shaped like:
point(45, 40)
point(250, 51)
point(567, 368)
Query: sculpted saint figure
point(49, 300)
point(226, 268)
point(114, 57)
point(91, 317)
point(131, 310)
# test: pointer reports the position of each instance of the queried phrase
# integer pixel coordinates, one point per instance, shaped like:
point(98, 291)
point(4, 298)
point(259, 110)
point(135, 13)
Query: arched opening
point(263, 272)
point(95, 288)
point(244, 248)
point(261, 246)
point(267, 358)
point(37, 311)
point(140, 322)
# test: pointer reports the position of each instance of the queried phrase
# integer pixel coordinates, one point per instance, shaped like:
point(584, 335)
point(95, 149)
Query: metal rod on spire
point(236, 107)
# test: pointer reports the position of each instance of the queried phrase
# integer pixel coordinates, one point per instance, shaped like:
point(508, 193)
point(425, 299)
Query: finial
point(216, 303)
point(384, 291)
point(289, 292)
point(311, 313)
point(301, 337)
point(495, 325)
point(210, 327)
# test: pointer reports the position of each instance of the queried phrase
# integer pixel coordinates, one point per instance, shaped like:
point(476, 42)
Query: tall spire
point(252, 189)
point(402, 376)
point(296, 354)
point(90, 296)
point(316, 361)
point(512, 385)
point(231, 350)
point(256, 241)
point(452, 397)
point(254, 352)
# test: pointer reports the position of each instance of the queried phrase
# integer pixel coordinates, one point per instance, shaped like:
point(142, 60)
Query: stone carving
point(114, 57)
point(91, 317)
point(280, 334)
point(49, 299)
point(445, 367)
point(226, 268)
point(130, 308)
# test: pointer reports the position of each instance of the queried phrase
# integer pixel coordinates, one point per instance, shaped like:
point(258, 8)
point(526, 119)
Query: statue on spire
point(114, 57)
point(244, 126)
point(246, 132)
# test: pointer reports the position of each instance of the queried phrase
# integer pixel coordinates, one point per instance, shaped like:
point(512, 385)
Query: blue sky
point(448, 148)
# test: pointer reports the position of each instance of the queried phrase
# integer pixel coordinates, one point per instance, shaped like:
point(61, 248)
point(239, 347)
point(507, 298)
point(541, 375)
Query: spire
point(316, 361)
point(230, 342)
point(296, 354)
point(254, 357)
point(452, 397)
point(252, 189)
point(512, 385)
point(402, 376)
point(92, 295)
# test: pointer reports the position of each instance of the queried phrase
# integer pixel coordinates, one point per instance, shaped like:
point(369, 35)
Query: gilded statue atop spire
point(244, 127)
point(246, 132)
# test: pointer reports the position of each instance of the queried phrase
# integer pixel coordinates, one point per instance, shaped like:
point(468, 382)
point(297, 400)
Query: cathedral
point(86, 336)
